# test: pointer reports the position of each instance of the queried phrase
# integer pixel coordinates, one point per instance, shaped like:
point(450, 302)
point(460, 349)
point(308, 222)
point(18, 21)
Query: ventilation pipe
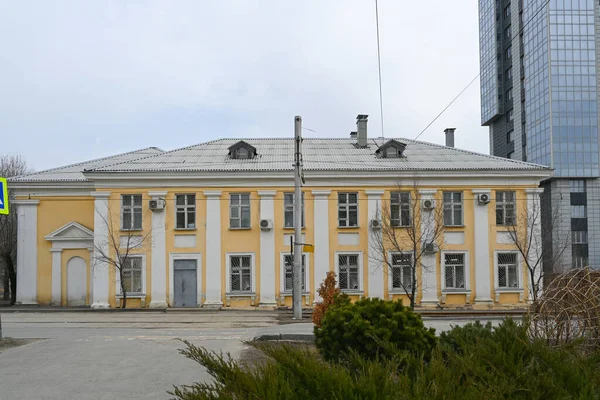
point(361, 127)
point(449, 136)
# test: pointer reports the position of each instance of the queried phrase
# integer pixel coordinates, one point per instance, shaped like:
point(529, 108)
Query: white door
point(76, 281)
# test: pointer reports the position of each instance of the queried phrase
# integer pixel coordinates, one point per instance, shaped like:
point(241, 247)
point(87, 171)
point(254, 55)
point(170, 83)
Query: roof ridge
point(85, 162)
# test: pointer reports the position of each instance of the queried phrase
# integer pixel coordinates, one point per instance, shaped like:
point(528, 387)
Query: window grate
point(288, 260)
point(241, 273)
point(507, 270)
point(454, 266)
point(348, 272)
point(131, 268)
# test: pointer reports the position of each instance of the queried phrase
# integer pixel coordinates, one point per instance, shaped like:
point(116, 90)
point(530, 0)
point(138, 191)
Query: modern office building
point(539, 92)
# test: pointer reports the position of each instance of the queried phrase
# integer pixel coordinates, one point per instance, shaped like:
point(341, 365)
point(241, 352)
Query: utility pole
point(297, 270)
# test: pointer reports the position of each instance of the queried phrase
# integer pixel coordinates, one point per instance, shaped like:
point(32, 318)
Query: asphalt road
point(124, 355)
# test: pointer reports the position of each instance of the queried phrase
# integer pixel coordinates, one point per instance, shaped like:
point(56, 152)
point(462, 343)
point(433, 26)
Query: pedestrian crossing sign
point(3, 197)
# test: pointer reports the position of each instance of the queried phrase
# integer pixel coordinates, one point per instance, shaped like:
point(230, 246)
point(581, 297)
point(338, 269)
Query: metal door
point(185, 283)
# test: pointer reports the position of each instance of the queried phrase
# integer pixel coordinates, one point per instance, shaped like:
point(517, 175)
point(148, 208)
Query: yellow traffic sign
point(3, 196)
point(308, 248)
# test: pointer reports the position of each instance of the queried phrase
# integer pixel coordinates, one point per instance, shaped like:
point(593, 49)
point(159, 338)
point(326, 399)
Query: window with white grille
point(400, 208)
point(453, 209)
point(402, 265)
point(288, 209)
point(508, 271)
point(239, 210)
point(454, 270)
point(132, 276)
point(348, 271)
point(288, 283)
point(505, 208)
point(240, 273)
point(347, 209)
point(131, 211)
point(185, 211)
point(579, 237)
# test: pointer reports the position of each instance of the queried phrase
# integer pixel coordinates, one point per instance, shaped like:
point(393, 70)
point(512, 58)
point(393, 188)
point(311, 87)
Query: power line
point(477, 76)
point(379, 68)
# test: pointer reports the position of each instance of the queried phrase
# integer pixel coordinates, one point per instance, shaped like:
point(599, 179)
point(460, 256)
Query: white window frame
point(185, 256)
point(282, 274)
point(452, 207)
point(504, 203)
point(400, 205)
point(239, 207)
point(186, 209)
point(577, 237)
point(347, 206)
point(360, 290)
point(132, 208)
point(132, 295)
point(287, 206)
point(519, 289)
point(252, 291)
point(391, 288)
point(467, 289)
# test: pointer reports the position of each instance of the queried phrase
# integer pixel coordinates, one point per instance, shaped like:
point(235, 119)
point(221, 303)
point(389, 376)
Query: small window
point(288, 210)
point(508, 52)
point(453, 209)
point(132, 275)
point(348, 209)
point(508, 33)
point(391, 152)
point(579, 237)
point(242, 153)
point(239, 210)
point(505, 208)
point(348, 272)
point(507, 11)
point(402, 265)
point(509, 115)
point(185, 211)
point(454, 267)
point(288, 283)
point(579, 211)
point(510, 137)
point(240, 273)
point(577, 186)
point(508, 276)
point(509, 74)
point(400, 208)
point(131, 211)
point(242, 150)
point(509, 94)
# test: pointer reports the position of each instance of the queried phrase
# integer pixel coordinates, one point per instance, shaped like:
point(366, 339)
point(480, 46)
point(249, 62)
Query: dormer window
point(391, 149)
point(242, 151)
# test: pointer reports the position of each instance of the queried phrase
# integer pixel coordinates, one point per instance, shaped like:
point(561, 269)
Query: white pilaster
point(27, 251)
point(534, 231)
point(213, 249)
point(321, 228)
point(99, 267)
point(56, 276)
point(375, 267)
point(428, 260)
point(482, 267)
point(267, 250)
point(158, 272)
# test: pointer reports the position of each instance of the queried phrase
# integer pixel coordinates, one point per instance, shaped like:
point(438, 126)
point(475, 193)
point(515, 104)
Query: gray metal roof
point(338, 154)
point(74, 172)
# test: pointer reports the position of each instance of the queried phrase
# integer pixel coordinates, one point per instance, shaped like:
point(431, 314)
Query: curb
point(288, 337)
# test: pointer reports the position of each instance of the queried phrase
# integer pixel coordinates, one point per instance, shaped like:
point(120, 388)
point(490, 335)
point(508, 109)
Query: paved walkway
point(124, 355)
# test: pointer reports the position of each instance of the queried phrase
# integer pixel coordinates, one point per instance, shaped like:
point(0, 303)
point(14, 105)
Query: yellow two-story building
point(210, 225)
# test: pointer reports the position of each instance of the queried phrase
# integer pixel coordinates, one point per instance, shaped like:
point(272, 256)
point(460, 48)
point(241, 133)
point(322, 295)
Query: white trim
point(56, 276)
point(321, 193)
point(520, 289)
point(321, 237)
point(467, 272)
point(27, 251)
point(26, 202)
point(374, 192)
point(214, 275)
point(54, 235)
point(118, 279)
point(185, 256)
point(156, 195)
point(388, 266)
point(252, 272)
point(534, 190)
point(99, 268)
point(100, 195)
point(158, 272)
point(427, 193)
point(361, 284)
point(213, 193)
point(267, 251)
point(282, 274)
point(375, 268)
point(481, 191)
point(481, 268)
point(267, 193)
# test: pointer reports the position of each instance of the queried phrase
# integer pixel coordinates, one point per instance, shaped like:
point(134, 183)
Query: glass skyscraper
point(539, 98)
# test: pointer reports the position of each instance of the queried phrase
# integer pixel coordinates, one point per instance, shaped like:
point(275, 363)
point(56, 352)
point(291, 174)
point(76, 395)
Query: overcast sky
point(86, 79)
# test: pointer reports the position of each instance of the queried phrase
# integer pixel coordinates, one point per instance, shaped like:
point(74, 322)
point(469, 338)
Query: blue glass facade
point(490, 105)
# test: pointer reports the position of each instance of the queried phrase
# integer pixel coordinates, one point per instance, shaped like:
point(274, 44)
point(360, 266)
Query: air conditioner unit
point(428, 204)
point(266, 224)
point(430, 248)
point(157, 204)
point(483, 198)
point(375, 224)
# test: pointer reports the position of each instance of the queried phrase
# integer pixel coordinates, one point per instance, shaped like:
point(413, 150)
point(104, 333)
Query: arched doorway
point(76, 281)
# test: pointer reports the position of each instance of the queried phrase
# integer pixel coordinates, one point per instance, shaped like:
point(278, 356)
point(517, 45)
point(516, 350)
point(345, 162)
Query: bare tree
point(120, 249)
point(541, 251)
point(10, 166)
point(410, 228)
